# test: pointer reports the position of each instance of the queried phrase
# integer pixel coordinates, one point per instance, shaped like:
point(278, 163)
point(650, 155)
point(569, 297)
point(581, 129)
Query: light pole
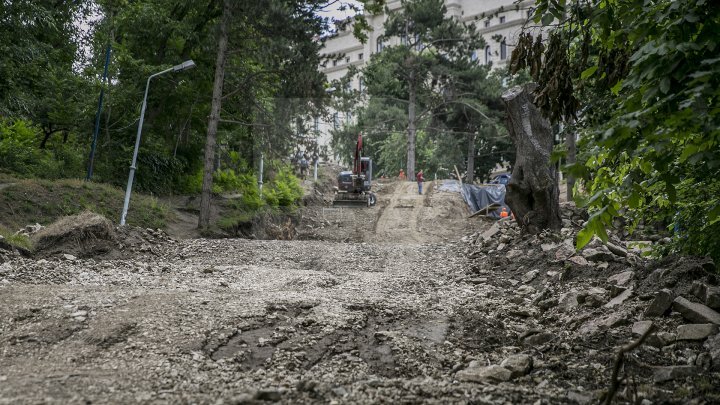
point(188, 64)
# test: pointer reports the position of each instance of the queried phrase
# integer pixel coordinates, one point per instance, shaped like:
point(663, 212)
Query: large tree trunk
point(210, 141)
point(411, 131)
point(470, 176)
point(571, 158)
point(532, 193)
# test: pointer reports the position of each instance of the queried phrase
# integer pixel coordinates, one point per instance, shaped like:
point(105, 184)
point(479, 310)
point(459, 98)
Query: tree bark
point(411, 131)
point(571, 158)
point(532, 193)
point(210, 141)
point(470, 175)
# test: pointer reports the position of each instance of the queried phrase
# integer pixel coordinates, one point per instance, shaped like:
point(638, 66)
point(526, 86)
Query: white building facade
point(498, 21)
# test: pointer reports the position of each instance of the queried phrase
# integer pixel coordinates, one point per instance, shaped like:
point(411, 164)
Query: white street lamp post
point(188, 64)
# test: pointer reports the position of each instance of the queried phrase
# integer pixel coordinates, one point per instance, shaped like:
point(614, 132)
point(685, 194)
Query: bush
point(284, 190)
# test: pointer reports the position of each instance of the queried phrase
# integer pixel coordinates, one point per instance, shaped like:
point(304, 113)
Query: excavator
point(353, 187)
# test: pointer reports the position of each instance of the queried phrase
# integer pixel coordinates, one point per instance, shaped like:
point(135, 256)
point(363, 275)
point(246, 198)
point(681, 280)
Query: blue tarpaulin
point(479, 197)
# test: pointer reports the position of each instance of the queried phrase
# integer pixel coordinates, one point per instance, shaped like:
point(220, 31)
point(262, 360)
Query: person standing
point(420, 179)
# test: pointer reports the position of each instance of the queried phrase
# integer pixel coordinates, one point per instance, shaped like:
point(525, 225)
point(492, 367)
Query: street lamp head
point(188, 64)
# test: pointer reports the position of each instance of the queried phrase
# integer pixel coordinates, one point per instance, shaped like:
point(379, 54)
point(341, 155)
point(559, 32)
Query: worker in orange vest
point(402, 174)
point(504, 213)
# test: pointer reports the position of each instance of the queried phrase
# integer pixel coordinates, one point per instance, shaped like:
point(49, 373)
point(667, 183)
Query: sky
point(337, 14)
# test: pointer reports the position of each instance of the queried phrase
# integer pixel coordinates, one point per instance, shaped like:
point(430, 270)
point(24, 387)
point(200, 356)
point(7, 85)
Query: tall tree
point(209, 160)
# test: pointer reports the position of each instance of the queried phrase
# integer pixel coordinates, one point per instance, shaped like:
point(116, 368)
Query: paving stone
point(661, 304)
point(622, 279)
point(696, 331)
point(639, 328)
point(662, 374)
point(695, 312)
point(617, 301)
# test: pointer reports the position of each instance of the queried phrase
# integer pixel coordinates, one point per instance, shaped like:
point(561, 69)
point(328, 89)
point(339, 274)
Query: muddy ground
point(405, 302)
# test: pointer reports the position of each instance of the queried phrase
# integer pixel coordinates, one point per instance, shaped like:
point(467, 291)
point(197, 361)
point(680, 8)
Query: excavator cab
point(353, 187)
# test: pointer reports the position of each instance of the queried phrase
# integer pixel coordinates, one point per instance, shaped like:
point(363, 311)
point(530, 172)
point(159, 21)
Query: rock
point(78, 314)
point(530, 276)
point(622, 279)
point(619, 299)
point(548, 303)
point(639, 328)
point(538, 339)
point(710, 295)
point(69, 257)
point(569, 300)
point(579, 260)
point(696, 331)
point(576, 397)
point(518, 364)
point(548, 246)
point(667, 337)
point(514, 254)
point(600, 254)
point(661, 304)
point(492, 373)
point(610, 321)
point(662, 374)
point(617, 250)
point(595, 297)
point(488, 235)
point(525, 290)
point(694, 312)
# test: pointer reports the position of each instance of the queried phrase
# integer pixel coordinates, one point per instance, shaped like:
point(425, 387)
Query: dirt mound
point(83, 235)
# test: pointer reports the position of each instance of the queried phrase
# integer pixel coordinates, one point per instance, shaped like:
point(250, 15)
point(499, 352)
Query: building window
point(487, 23)
point(502, 19)
point(316, 124)
point(380, 45)
point(474, 56)
point(403, 39)
point(348, 117)
point(336, 120)
point(360, 56)
point(334, 63)
point(503, 50)
point(347, 60)
point(488, 55)
point(361, 84)
point(530, 12)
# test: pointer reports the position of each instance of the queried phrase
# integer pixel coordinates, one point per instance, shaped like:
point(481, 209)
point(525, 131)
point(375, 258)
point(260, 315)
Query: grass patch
point(20, 241)
point(29, 201)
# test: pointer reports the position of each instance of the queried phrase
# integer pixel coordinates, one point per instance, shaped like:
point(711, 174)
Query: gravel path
point(414, 314)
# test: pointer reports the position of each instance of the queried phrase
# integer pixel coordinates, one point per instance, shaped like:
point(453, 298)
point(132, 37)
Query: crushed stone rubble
point(495, 317)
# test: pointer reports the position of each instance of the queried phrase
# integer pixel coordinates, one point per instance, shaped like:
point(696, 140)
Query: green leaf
point(714, 214)
point(584, 237)
point(588, 72)
point(616, 88)
point(547, 19)
point(665, 85)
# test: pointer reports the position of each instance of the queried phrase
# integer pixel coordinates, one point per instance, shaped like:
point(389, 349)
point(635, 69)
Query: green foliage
point(649, 74)
point(20, 153)
point(284, 190)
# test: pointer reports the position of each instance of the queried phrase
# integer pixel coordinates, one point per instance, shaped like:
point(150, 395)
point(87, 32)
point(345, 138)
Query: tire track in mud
point(399, 221)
